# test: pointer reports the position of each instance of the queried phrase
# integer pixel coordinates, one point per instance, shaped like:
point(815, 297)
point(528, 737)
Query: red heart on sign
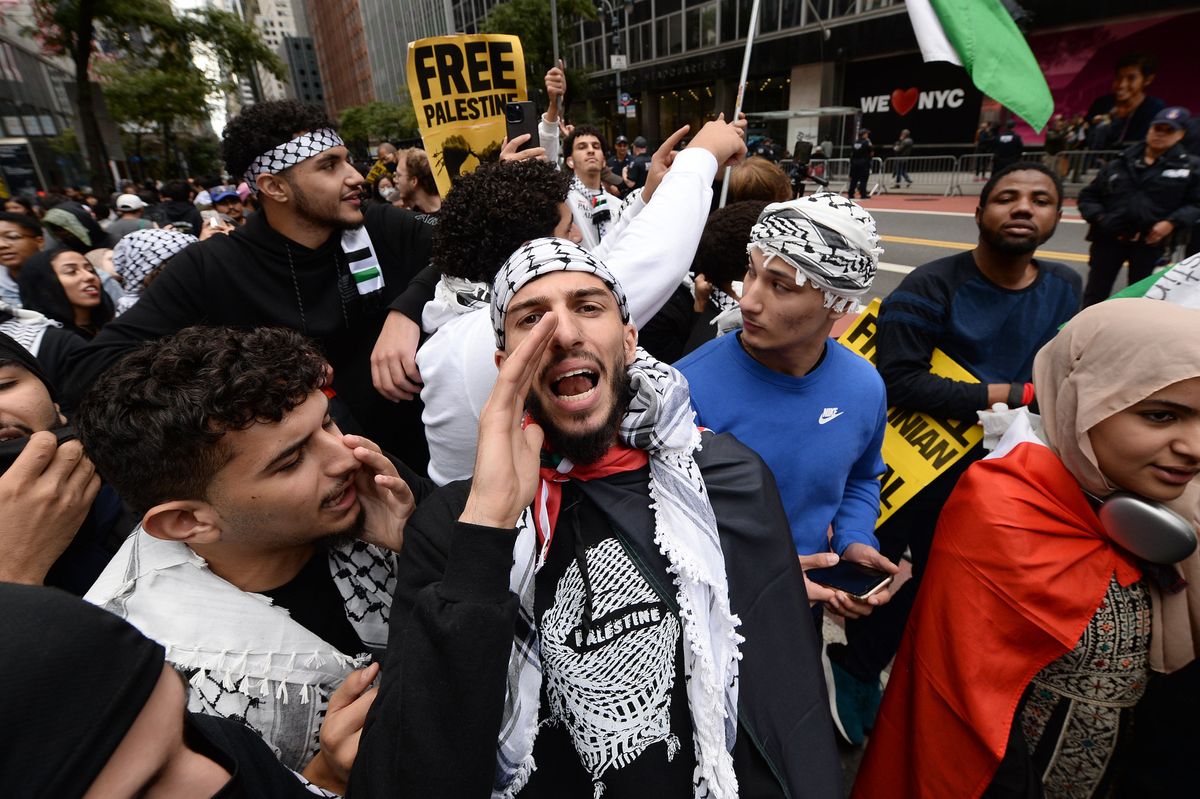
point(904, 100)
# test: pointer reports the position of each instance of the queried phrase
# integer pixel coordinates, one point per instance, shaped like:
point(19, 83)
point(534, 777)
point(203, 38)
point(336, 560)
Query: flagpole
point(554, 29)
point(737, 106)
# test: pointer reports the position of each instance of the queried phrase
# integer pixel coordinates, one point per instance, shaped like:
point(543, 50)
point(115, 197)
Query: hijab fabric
point(78, 678)
point(1109, 357)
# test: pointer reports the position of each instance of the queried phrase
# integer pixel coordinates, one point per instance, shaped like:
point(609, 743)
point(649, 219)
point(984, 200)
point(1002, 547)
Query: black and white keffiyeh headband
point(540, 257)
point(290, 153)
point(828, 239)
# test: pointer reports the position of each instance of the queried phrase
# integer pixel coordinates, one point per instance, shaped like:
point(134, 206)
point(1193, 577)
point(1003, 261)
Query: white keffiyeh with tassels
point(246, 658)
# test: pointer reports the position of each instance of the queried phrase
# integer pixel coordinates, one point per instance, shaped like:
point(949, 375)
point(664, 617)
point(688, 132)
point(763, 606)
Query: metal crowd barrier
point(926, 171)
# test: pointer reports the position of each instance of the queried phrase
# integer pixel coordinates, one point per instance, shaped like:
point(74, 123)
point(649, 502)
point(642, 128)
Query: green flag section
point(1179, 284)
point(993, 50)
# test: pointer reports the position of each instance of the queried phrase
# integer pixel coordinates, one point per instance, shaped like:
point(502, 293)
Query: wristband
point(1027, 395)
point(1015, 392)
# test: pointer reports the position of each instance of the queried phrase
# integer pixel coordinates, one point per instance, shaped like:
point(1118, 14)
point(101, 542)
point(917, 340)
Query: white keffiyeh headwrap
point(828, 239)
point(661, 422)
point(140, 253)
point(290, 153)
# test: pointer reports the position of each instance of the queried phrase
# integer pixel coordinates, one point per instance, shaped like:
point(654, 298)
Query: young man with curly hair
point(312, 259)
point(265, 560)
point(492, 212)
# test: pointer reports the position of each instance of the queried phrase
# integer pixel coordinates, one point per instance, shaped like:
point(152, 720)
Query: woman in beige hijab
point(1034, 634)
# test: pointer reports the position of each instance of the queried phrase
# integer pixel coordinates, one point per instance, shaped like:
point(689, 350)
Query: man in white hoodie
point(492, 212)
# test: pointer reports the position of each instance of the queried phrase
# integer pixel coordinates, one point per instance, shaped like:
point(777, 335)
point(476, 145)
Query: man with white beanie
point(813, 410)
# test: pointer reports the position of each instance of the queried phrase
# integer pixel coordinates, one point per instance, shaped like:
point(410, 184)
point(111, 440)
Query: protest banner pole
point(737, 106)
point(554, 29)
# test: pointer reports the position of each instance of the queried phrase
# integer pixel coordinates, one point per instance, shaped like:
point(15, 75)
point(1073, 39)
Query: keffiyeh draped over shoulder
point(140, 253)
point(659, 422)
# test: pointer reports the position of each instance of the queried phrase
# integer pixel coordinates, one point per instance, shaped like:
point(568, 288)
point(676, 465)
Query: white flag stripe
point(930, 36)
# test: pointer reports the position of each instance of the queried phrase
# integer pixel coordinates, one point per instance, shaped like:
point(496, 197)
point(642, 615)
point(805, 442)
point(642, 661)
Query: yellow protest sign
point(459, 87)
point(916, 446)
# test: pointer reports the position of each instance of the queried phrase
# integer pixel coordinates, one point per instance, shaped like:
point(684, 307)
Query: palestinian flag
point(1179, 284)
point(981, 36)
point(1018, 567)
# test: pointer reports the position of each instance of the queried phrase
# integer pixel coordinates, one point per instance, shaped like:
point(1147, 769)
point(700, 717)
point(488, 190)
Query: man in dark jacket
point(176, 209)
point(861, 153)
point(1137, 201)
point(560, 632)
point(313, 260)
point(1007, 148)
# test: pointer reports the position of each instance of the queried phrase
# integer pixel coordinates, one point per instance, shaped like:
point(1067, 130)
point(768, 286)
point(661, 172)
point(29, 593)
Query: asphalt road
point(911, 238)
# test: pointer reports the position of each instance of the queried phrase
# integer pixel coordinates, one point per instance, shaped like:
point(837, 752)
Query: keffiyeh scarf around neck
point(659, 423)
point(583, 191)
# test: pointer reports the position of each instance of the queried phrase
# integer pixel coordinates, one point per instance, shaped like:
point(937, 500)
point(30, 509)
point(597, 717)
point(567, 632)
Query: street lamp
point(618, 60)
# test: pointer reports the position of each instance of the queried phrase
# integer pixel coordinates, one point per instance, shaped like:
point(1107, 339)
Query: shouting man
point(606, 607)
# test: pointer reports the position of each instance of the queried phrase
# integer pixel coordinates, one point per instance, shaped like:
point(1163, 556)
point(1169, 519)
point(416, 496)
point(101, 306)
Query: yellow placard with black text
point(459, 87)
point(916, 446)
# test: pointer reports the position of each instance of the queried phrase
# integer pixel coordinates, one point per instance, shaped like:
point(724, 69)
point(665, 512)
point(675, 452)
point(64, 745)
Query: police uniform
point(1125, 201)
point(860, 166)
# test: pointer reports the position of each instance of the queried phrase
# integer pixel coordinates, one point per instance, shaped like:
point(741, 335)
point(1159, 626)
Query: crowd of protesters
point(318, 483)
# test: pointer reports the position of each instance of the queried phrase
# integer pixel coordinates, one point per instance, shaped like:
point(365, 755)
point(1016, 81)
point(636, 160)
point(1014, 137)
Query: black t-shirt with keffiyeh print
point(614, 701)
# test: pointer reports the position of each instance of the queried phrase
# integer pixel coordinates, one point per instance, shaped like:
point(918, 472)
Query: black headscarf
point(76, 677)
point(12, 351)
point(42, 291)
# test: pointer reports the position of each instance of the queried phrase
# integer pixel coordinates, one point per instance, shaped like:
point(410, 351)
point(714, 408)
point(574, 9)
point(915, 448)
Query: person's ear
point(187, 521)
point(272, 187)
point(41, 241)
point(501, 357)
point(630, 343)
point(58, 412)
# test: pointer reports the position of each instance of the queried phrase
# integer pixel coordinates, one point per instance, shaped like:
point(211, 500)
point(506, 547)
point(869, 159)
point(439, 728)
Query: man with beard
point(990, 309)
point(595, 210)
point(312, 260)
point(415, 184)
point(265, 558)
point(608, 607)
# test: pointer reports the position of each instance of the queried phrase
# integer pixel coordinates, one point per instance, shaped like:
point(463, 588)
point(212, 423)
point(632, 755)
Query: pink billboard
point(1079, 63)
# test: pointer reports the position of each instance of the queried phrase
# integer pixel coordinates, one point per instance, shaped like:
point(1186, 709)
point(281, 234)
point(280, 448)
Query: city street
point(918, 229)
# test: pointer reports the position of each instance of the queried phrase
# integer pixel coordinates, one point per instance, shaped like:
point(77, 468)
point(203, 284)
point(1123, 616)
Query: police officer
point(620, 160)
point(1137, 201)
point(860, 163)
point(1008, 147)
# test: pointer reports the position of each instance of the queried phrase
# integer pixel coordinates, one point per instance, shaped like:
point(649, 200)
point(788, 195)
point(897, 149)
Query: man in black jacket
point(614, 611)
point(313, 260)
point(861, 153)
point(1137, 201)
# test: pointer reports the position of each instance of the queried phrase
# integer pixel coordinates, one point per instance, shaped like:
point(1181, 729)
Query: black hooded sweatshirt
point(257, 277)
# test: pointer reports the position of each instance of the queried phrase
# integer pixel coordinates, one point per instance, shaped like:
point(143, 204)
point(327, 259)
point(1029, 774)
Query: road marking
point(898, 268)
point(958, 245)
point(875, 210)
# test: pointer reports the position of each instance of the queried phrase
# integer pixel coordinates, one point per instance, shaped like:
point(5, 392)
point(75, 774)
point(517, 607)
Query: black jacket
point(254, 277)
point(1128, 197)
point(434, 725)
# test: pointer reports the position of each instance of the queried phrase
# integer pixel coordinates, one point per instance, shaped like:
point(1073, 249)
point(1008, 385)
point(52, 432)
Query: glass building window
point(669, 33)
point(701, 26)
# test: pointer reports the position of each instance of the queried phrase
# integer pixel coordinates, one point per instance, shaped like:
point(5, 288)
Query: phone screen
point(853, 578)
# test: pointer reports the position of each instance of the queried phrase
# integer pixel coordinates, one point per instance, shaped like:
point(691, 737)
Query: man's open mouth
point(577, 384)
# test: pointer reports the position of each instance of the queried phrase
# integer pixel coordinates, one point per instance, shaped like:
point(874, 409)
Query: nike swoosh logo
point(828, 417)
